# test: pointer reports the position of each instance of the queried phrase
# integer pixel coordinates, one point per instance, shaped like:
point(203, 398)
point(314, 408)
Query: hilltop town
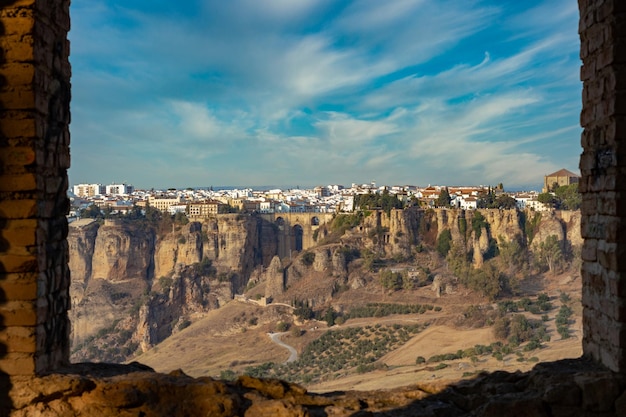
point(201, 203)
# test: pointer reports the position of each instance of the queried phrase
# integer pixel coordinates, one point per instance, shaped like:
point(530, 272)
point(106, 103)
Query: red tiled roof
point(563, 173)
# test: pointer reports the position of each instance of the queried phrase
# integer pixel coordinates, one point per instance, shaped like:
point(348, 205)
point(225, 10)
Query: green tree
point(135, 213)
point(487, 280)
point(478, 223)
point(512, 259)
point(302, 310)
point(458, 262)
point(505, 201)
point(92, 212)
point(568, 197)
point(444, 198)
point(383, 201)
point(444, 242)
point(390, 280)
point(281, 326)
point(547, 198)
point(153, 215)
point(181, 218)
point(329, 317)
point(550, 254)
point(486, 200)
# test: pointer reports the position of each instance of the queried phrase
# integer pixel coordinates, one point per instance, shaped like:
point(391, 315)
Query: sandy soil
point(216, 343)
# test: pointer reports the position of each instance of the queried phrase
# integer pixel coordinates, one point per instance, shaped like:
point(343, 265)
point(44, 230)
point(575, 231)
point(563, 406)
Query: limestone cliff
point(111, 267)
point(123, 252)
point(396, 234)
point(128, 279)
point(183, 246)
point(274, 278)
point(81, 241)
point(191, 290)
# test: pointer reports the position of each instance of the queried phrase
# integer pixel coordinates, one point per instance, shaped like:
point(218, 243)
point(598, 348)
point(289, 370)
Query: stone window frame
point(34, 150)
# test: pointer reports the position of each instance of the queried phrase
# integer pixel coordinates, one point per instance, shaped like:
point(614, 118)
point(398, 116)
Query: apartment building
point(88, 190)
point(163, 203)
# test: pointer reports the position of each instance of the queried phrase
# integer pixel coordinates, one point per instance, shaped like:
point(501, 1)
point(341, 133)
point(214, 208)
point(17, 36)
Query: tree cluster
point(565, 197)
point(383, 201)
point(496, 201)
point(444, 198)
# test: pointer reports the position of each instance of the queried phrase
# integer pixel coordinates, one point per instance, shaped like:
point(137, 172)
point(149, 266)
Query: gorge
point(134, 284)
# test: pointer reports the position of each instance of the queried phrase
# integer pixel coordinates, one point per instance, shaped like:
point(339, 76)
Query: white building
point(164, 203)
point(469, 203)
point(177, 208)
point(266, 206)
point(347, 203)
point(88, 190)
point(119, 189)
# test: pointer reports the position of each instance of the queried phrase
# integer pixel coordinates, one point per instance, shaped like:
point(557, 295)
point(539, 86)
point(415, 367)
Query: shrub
point(308, 258)
point(227, 375)
point(281, 326)
point(532, 345)
point(165, 283)
point(184, 324)
point(444, 242)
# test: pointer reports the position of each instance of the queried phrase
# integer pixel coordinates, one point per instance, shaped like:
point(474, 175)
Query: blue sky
point(308, 92)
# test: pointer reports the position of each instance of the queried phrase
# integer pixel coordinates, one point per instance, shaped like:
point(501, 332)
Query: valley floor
point(235, 337)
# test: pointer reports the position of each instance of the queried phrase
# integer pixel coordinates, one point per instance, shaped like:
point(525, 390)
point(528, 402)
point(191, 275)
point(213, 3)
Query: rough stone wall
point(34, 155)
point(603, 184)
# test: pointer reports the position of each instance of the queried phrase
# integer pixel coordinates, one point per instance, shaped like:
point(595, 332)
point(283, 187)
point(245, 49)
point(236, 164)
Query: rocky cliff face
point(124, 268)
point(396, 234)
point(125, 277)
point(173, 300)
point(111, 267)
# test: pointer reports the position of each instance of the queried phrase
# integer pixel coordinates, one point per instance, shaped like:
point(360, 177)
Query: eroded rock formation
point(559, 389)
point(121, 269)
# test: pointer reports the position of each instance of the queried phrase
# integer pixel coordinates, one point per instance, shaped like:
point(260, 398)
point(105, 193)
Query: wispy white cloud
point(314, 92)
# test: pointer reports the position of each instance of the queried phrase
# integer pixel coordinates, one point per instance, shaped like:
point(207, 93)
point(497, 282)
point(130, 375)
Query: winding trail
point(293, 353)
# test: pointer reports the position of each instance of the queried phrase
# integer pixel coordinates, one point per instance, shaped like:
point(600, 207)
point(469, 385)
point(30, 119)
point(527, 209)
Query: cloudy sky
point(307, 92)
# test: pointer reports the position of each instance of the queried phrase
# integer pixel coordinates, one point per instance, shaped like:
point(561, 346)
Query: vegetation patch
point(387, 309)
point(339, 353)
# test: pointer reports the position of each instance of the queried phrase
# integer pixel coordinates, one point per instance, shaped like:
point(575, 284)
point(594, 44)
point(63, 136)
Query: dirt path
point(293, 353)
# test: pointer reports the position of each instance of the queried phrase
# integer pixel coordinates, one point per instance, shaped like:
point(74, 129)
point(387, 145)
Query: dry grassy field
point(235, 337)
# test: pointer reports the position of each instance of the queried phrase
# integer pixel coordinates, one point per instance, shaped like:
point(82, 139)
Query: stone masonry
point(36, 379)
point(603, 184)
point(34, 151)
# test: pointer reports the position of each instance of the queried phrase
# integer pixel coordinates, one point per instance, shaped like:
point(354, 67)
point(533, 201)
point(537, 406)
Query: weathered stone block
point(17, 363)
point(19, 290)
point(23, 182)
point(18, 263)
point(19, 339)
point(19, 313)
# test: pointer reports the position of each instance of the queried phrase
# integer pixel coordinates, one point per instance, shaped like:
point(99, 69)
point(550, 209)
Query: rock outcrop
point(396, 234)
point(559, 389)
point(274, 278)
